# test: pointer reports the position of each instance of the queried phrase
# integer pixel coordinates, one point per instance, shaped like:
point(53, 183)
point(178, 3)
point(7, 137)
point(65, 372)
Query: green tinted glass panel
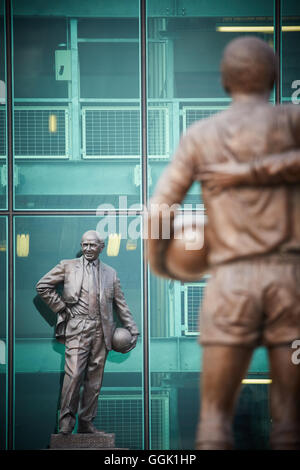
point(77, 106)
point(41, 242)
point(185, 44)
point(184, 80)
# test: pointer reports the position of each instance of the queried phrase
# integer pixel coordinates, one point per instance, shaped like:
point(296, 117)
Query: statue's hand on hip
point(224, 175)
point(68, 313)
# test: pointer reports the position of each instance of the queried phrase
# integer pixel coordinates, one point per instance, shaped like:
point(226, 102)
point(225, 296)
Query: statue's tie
point(92, 291)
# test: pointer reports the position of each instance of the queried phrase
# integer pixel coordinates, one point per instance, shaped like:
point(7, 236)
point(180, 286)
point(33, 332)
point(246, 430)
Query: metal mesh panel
point(111, 132)
point(193, 300)
point(114, 132)
point(123, 416)
point(160, 422)
point(158, 132)
point(2, 131)
point(195, 113)
point(33, 136)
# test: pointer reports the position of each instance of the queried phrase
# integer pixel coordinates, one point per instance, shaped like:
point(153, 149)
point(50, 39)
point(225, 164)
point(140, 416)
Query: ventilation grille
point(193, 297)
point(123, 416)
point(195, 113)
point(114, 132)
point(33, 136)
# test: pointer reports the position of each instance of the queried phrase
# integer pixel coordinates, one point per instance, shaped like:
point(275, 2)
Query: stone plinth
point(99, 440)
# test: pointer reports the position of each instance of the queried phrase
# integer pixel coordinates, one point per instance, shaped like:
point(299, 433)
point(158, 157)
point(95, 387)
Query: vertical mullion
point(75, 93)
point(10, 244)
point(277, 43)
point(143, 68)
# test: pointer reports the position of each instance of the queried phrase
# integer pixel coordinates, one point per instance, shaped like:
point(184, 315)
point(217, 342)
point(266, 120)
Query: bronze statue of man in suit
point(85, 323)
point(248, 161)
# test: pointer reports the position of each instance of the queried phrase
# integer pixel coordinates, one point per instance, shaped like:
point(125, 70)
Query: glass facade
point(184, 83)
point(184, 73)
point(78, 130)
point(3, 139)
point(76, 107)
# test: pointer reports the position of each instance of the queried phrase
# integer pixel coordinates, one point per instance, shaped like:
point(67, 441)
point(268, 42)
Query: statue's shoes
point(87, 428)
point(65, 432)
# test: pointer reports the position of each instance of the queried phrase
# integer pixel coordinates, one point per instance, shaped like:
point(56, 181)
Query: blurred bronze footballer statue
point(247, 158)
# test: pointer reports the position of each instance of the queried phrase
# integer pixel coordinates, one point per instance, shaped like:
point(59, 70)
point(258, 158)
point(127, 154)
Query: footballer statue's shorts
point(253, 302)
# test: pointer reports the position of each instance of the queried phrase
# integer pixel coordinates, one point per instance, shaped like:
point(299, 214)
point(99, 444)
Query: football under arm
point(170, 190)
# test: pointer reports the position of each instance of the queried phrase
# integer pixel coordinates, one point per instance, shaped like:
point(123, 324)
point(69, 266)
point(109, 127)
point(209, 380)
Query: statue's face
point(90, 247)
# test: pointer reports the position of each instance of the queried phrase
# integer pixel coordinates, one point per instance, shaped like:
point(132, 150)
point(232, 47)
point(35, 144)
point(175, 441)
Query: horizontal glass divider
point(125, 100)
point(113, 389)
point(94, 212)
point(117, 40)
point(35, 340)
point(110, 100)
point(55, 159)
point(42, 100)
point(194, 100)
point(42, 158)
point(155, 100)
point(109, 40)
point(70, 212)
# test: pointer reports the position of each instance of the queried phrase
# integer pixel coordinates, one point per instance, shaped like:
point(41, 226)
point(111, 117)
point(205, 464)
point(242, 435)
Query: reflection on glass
point(77, 107)
point(184, 85)
point(39, 359)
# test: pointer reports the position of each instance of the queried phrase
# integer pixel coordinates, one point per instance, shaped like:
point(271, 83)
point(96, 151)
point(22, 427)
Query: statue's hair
point(248, 66)
point(95, 233)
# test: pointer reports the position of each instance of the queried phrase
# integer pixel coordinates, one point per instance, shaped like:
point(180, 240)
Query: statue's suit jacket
point(111, 297)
